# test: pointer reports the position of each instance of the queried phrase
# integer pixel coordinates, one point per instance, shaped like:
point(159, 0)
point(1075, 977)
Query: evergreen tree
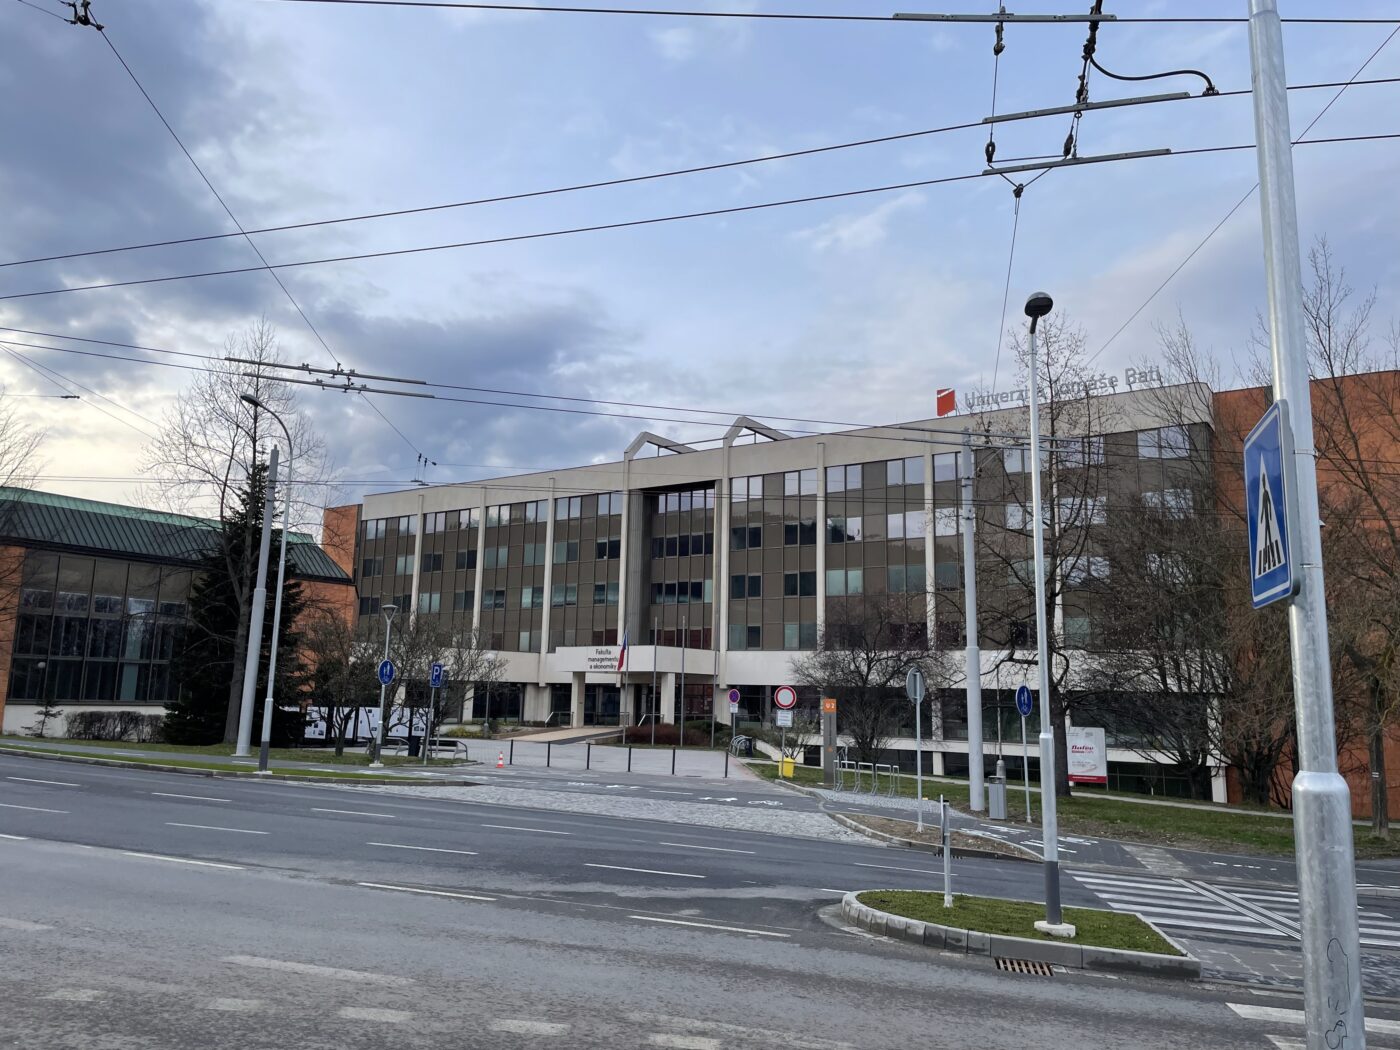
point(205, 668)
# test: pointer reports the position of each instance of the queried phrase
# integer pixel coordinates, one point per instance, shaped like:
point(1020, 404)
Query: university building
point(720, 565)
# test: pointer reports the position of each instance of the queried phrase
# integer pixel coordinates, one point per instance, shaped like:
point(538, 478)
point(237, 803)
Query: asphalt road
point(330, 917)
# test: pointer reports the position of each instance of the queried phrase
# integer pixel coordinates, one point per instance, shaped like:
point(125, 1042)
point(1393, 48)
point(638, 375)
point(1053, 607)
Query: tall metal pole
point(683, 640)
point(383, 687)
point(919, 762)
point(714, 713)
point(276, 623)
point(1321, 801)
point(973, 670)
point(1049, 828)
point(1026, 768)
point(255, 622)
point(655, 706)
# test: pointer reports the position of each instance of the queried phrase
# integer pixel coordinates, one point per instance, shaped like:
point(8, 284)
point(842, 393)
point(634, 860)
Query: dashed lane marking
point(54, 783)
point(234, 1006)
point(372, 1013)
point(425, 849)
point(199, 798)
point(426, 893)
point(333, 973)
point(212, 827)
point(716, 849)
point(708, 926)
point(182, 860)
point(519, 1026)
point(15, 838)
point(352, 812)
point(891, 867)
point(25, 926)
point(646, 871)
point(683, 1042)
point(537, 831)
point(75, 995)
point(32, 809)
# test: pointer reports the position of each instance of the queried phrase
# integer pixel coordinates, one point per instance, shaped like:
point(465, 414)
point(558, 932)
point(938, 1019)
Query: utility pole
point(1321, 801)
point(255, 622)
point(973, 669)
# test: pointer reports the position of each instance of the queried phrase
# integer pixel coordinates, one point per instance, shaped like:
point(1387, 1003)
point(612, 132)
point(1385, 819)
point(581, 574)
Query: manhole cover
point(1037, 969)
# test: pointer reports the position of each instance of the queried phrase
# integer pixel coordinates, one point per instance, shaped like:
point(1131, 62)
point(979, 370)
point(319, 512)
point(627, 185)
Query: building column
point(536, 703)
point(936, 764)
point(667, 697)
point(821, 543)
point(1219, 787)
point(723, 499)
point(418, 543)
point(483, 638)
point(576, 699)
point(930, 562)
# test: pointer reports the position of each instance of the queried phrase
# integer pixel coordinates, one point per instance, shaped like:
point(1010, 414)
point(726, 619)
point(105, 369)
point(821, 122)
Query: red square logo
point(946, 401)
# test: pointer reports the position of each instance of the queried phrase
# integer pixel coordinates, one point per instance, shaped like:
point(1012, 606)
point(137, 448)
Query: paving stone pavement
point(735, 816)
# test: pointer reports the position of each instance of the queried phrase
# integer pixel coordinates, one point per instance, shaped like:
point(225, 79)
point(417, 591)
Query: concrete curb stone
point(973, 942)
point(895, 840)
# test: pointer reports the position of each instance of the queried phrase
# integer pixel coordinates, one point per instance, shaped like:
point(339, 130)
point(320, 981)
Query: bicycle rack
point(860, 766)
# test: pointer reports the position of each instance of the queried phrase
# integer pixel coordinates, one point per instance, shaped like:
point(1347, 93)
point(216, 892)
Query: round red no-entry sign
point(785, 697)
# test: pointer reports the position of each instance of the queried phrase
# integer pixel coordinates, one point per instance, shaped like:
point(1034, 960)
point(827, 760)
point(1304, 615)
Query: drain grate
point(1035, 969)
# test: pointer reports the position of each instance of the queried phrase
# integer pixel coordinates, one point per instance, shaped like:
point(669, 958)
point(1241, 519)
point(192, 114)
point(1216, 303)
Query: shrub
point(114, 725)
point(666, 735)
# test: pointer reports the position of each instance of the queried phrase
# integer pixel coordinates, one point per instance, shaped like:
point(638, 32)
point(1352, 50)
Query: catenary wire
point(628, 224)
point(605, 183)
point(43, 10)
point(49, 375)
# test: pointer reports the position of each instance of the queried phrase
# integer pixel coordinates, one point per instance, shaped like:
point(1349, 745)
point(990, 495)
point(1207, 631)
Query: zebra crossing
point(1292, 1021)
point(1193, 906)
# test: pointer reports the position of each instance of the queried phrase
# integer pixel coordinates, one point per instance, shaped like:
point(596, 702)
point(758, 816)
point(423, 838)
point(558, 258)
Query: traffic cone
point(500, 760)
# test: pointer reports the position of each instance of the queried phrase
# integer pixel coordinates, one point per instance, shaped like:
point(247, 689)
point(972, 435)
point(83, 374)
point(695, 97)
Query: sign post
point(914, 690)
point(386, 679)
point(829, 741)
point(785, 699)
point(1024, 705)
point(435, 681)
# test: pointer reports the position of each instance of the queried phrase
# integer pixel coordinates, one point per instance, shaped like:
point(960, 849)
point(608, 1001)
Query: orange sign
point(828, 705)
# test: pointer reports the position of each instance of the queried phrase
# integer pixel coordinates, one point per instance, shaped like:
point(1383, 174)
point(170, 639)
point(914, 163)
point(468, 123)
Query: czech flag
point(622, 653)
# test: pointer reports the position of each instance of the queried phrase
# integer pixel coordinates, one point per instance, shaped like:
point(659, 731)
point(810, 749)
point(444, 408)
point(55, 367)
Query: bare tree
point(206, 451)
point(19, 462)
point(342, 677)
point(866, 648)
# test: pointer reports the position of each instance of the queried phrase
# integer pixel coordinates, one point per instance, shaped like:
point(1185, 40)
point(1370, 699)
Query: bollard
point(511, 761)
point(673, 761)
point(548, 747)
point(629, 758)
point(588, 756)
point(947, 852)
point(726, 763)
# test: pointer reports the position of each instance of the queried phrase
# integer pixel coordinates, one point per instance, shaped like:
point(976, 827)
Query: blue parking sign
point(1269, 507)
point(435, 678)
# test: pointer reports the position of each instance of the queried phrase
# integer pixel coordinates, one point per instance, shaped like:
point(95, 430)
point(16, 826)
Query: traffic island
point(1005, 929)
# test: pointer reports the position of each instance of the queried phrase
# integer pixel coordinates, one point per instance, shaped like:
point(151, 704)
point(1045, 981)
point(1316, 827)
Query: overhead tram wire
point(634, 223)
point(628, 180)
point(1342, 89)
point(49, 374)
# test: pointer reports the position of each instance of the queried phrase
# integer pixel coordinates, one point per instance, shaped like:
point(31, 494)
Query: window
point(737, 635)
point(369, 606)
point(906, 579)
point(747, 536)
point(466, 559)
point(565, 551)
point(1164, 443)
point(435, 522)
point(908, 524)
point(430, 601)
point(1018, 518)
point(1083, 511)
point(494, 517)
point(368, 567)
point(534, 553)
point(801, 584)
point(609, 503)
point(468, 519)
point(843, 530)
point(495, 599)
point(947, 576)
point(1077, 632)
point(531, 597)
point(947, 521)
point(564, 594)
point(1021, 572)
point(741, 489)
point(374, 530)
point(609, 549)
point(1168, 568)
point(462, 601)
point(408, 525)
point(1016, 460)
point(800, 533)
point(432, 562)
point(1177, 504)
point(745, 586)
point(403, 565)
point(605, 593)
point(945, 466)
point(905, 471)
point(1086, 568)
point(754, 636)
point(529, 641)
point(537, 510)
point(800, 483)
point(568, 507)
point(1081, 452)
point(842, 581)
point(841, 479)
point(496, 557)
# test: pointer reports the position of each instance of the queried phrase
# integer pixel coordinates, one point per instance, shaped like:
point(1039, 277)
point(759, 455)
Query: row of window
point(795, 636)
point(690, 499)
point(682, 592)
point(40, 598)
point(683, 546)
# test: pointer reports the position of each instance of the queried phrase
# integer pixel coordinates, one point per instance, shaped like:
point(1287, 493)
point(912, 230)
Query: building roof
point(47, 519)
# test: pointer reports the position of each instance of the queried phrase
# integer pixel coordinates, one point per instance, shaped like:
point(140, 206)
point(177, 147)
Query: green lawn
point(212, 764)
point(324, 757)
point(1240, 829)
point(1102, 929)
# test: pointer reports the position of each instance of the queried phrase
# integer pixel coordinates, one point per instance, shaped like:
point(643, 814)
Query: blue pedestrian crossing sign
point(1269, 507)
point(1023, 700)
point(386, 672)
point(435, 677)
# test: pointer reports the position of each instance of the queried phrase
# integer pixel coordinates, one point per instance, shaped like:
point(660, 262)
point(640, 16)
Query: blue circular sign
point(1024, 703)
point(386, 672)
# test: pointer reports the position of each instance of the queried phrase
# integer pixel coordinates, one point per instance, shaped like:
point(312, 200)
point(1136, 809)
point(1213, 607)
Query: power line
point(1238, 204)
point(49, 374)
point(629, 224)
point(628, 180)
point(43, 10)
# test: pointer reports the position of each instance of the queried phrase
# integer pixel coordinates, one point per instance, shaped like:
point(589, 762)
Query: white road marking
point(521, 1027)
point(182, 860)
point(646, 871)
point(1276, 1015)
point(370, 1013)
point(828, 889)
point(430, 893)
point(538, 831)
point(55, 783)
point(716, 849)
point(668, 791)
point(21, 924)
point(32, 809)
point(211, 827)
point(352, 812)
point(683, 1042)
point(425, 849)
point(201, 798)
point(708, 926)
point(257, 962)
point(15, 838)
point(75, 995)
point(234, 1005)
point(1284, 1043)
point(891, 867)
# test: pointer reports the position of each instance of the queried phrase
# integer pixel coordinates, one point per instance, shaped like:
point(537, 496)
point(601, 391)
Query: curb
point(927, 847)
point(972, 942)
point(234, 774)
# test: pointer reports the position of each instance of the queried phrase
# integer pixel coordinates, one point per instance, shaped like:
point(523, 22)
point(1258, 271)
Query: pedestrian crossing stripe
point(1269, 553)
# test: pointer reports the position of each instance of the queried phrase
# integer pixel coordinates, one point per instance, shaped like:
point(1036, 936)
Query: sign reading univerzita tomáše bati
point(1270, 507)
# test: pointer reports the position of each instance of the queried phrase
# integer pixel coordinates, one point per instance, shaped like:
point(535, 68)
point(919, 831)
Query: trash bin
point(413, 750)
point(996, 798)
point(786, 766)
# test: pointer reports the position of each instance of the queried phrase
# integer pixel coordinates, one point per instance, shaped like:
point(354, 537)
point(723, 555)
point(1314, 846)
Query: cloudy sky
point(849, 310)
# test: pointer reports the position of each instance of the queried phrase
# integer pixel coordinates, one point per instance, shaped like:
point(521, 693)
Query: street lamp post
point(255, 621)
point(1037, 306)
point(388, 611)
point(281, 578)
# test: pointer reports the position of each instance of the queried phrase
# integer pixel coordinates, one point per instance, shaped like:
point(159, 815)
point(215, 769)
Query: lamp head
point(388, 611)
point(1037, 306)
point(251, 400)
